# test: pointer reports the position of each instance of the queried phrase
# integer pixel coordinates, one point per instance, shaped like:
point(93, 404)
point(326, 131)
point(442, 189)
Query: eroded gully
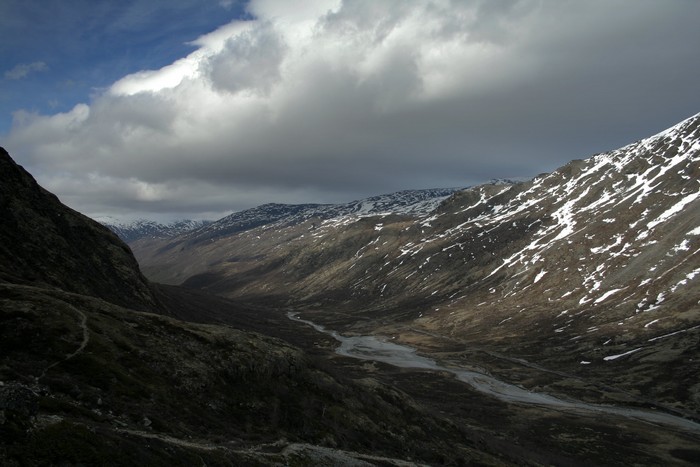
point(376, 349)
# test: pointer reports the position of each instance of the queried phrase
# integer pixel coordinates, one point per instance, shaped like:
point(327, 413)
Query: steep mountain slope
point(44, 242)
point(609, 244)
point(592, 269)
point(143, 228)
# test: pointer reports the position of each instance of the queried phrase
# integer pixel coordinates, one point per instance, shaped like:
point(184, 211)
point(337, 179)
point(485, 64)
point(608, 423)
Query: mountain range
point(130, 231)
point(557, 322)
point(409, 201)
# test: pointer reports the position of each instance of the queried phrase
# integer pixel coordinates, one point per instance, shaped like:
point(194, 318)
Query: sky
point(197, 108)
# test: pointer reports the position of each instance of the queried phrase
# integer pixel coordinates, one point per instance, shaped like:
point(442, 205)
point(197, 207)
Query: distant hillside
point(143, 228)
point(407, 202)
point(273, 217)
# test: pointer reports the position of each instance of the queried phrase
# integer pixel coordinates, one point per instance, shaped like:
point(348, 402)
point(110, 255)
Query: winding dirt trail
point(321, 455)
point(176, 441)
point(86, 339)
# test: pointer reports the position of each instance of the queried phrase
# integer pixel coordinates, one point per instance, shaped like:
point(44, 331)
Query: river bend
point(377, 349)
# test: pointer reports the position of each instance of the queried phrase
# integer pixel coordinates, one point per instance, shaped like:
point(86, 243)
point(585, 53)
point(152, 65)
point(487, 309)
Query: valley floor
point(515, 432)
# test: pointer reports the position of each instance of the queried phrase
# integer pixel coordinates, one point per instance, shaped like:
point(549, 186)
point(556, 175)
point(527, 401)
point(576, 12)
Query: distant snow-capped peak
point(133, 230)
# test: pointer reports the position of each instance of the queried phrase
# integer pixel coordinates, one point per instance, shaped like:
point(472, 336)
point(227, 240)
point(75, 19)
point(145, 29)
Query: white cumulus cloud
point(333, 100)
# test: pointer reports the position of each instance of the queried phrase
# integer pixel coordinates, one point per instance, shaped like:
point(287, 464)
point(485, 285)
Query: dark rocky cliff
point(45, 243)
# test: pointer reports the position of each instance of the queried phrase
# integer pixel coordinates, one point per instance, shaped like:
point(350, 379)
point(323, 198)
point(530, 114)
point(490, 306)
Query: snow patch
point(608, 294)
point(683, 246)
point(615, 357)
point(539, 276)
point(673, 210)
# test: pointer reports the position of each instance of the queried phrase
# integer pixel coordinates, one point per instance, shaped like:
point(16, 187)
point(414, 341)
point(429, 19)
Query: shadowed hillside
point(44, 243)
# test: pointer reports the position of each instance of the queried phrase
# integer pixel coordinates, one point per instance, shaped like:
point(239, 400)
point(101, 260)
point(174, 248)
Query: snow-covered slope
point(602, 254)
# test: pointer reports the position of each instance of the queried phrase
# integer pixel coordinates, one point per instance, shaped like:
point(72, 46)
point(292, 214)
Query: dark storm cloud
point(340, 100)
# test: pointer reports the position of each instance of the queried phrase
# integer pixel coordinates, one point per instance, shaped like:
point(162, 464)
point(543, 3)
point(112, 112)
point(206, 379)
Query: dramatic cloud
point(336, 100)
point(23, 69)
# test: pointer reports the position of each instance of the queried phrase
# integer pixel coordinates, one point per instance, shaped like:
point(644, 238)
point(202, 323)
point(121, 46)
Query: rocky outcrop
point(43, 242)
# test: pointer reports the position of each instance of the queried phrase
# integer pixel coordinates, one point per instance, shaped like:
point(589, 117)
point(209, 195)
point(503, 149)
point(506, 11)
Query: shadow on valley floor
point(522, 433)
